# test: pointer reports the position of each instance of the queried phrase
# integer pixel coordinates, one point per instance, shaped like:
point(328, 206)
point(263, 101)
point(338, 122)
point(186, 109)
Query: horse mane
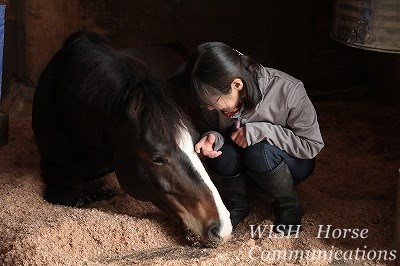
point(97, 74)
point(158, 111)
point(113, 82)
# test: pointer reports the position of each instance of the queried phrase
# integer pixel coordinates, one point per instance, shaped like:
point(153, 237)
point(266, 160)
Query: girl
point(257, 123)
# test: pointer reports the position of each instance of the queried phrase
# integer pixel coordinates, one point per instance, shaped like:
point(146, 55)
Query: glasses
point(215, 104)
point(220, 97)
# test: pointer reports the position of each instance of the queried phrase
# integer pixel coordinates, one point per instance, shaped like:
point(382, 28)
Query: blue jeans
point(261, 157)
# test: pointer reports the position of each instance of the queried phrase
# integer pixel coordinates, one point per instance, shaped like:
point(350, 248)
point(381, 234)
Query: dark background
point(290, 35)
point(356, 178)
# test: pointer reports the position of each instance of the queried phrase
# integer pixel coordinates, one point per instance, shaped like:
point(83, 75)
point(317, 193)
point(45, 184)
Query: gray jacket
point(285, 117)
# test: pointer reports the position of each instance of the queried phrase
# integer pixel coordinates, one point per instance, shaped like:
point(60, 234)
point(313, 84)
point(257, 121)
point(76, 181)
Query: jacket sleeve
point(219, 139)
point(300, 137)
point(207, 124)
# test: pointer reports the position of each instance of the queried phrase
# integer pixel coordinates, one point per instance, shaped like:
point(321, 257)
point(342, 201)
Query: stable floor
point(353, 187)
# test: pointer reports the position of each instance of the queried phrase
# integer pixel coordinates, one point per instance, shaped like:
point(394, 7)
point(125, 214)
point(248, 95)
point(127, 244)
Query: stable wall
point(289, 35)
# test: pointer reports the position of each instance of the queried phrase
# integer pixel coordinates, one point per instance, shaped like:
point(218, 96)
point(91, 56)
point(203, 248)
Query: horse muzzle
point(214, 234)
point(212, 238)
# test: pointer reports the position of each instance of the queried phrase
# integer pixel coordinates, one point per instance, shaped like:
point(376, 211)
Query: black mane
point(159, 113)
point(111, 82)
point(95, 73)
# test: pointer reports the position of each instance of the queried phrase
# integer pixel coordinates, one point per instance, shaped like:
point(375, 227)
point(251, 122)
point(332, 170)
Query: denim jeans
point(261, 157)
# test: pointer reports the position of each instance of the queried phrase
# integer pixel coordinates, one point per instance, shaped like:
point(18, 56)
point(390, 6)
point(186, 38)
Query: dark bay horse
point(96, 109)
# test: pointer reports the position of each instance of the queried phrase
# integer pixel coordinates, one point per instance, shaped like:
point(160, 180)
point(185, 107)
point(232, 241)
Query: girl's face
point(228, 102)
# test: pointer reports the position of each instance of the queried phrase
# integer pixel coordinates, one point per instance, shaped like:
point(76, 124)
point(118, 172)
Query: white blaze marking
point(186, 145)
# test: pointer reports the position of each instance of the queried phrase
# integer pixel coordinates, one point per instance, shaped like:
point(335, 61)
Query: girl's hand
point(239, 137)
point(206, 146)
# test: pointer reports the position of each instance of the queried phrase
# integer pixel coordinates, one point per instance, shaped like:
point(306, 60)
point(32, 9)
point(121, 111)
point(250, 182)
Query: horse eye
point(157, 159)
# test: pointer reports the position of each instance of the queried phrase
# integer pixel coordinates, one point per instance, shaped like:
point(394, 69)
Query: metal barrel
point(368, 24)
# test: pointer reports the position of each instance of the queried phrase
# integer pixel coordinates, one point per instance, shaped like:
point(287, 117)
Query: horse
point(98, 109)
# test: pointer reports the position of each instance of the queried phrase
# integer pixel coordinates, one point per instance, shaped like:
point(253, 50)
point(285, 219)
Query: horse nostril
point(213, 233)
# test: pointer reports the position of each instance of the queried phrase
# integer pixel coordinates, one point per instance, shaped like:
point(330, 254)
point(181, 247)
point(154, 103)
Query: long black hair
point(95, 73)
point(112, 83)
point(211, 69)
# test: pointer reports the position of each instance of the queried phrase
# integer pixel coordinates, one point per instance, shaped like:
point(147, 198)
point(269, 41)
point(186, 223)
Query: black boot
point(279, 183)
point(233, 193)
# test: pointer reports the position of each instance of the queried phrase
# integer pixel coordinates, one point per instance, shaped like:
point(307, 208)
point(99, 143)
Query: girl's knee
point(262, 157)
point(228, 163)
point(254, 159)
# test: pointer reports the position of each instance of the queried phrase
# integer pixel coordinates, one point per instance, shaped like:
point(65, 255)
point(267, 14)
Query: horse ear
point(136, 104)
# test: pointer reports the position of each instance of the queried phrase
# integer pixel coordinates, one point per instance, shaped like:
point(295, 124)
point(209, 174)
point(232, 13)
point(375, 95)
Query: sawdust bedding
point(353, 186)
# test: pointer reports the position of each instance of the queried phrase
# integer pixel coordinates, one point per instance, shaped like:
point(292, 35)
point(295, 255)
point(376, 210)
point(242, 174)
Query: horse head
point(155, 161)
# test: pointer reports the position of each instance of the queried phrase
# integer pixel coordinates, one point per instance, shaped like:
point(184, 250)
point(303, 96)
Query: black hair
point(96, 73)
point(213, 66)
point(111, 82)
